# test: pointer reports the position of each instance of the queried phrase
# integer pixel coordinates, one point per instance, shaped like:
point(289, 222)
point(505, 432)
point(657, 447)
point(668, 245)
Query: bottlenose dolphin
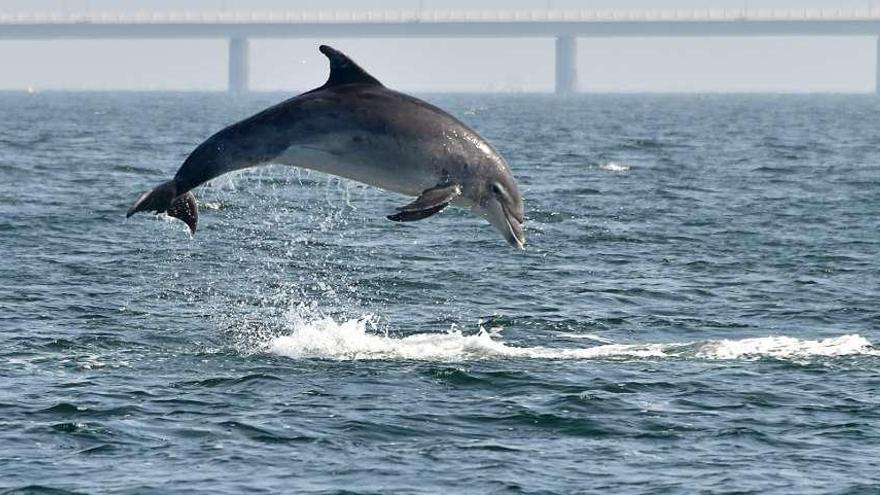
point(355, 127)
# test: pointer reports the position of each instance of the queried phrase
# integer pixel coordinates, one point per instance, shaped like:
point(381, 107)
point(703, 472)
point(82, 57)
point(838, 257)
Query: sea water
point(697, 309)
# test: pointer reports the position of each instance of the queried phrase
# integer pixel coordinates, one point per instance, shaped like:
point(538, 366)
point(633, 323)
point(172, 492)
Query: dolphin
point(355, 127)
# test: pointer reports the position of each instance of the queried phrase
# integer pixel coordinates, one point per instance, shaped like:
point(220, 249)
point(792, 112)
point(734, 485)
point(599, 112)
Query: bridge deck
point(435, 16)
point(439, 23)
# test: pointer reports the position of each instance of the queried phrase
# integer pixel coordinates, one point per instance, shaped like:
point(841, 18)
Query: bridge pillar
point(238, 65)
point(566, 65)
point(877, 69)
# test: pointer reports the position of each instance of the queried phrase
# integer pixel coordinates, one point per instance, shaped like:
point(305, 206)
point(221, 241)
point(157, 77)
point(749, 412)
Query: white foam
point(356, 339)
point(325, 338)
point(787, 348)
point(586, 336)
point(614, 167)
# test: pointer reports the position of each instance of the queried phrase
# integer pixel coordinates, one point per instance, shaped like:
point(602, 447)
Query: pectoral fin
point(431, 201)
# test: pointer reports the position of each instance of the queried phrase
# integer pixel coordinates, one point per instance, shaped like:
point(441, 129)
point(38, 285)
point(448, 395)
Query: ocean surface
point(697, 309)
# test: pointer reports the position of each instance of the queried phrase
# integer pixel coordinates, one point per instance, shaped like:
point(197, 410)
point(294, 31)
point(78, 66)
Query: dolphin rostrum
point(355, 127)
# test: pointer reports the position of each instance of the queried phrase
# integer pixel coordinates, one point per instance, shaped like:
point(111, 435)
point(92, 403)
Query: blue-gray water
point(695, 312)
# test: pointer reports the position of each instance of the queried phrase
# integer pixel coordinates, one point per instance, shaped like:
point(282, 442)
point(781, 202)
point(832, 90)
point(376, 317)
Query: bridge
point(565, 26)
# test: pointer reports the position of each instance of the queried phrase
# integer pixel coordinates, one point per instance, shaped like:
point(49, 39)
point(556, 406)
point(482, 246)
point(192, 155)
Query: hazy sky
point(797, 64)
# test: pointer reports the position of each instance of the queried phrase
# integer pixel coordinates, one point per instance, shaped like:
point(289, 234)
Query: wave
point(357, 339)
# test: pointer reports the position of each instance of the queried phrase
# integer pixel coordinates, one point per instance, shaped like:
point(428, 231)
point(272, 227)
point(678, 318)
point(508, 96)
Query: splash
point(357, 339)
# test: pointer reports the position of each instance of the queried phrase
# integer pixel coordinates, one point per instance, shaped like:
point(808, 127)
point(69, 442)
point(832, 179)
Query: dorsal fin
point(344, 70)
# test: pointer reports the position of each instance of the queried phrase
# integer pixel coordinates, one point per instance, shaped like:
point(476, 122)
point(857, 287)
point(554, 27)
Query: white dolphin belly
point(376, 161)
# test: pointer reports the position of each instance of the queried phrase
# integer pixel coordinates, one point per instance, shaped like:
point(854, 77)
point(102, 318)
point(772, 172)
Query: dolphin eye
point(496, 190)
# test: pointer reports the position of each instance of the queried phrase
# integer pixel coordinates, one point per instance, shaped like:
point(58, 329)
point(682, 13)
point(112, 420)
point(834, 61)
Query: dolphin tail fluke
point(184, 208)
point(164, 199)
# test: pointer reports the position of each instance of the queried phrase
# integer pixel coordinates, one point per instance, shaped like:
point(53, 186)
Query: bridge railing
point(434, 16)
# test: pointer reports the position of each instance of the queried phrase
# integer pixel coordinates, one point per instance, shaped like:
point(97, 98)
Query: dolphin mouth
point(515, 235)
point(504, 221)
